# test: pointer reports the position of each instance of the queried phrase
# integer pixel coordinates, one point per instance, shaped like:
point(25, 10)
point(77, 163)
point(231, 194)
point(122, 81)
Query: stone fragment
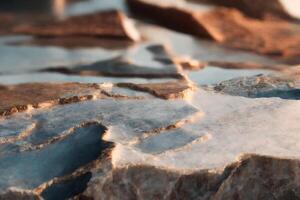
point(16, 98)
point(261, 86)
point(171, 15)
point(111, 24)
point(238, 31)
point(168, 90)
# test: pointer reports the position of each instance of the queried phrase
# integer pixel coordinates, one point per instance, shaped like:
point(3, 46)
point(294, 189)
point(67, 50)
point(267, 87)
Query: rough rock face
point(112, 24)
point(15, 193)
point(134, 182)
point(273, 179)
point(226, 26)
point(261, 86)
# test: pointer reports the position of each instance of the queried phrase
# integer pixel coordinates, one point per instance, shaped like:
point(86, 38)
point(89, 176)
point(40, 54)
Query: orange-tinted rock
point(168, 90)
point(170, 16)
point(231, 28)
point(109, 24)
point(20, 97)
point(228, 27)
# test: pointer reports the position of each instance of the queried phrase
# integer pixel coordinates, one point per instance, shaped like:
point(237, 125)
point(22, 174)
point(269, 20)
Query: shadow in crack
point(68, 188)
point(284, 94)
point(30, 169)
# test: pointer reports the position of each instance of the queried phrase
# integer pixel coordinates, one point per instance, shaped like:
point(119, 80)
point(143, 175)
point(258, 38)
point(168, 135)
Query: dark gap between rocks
point(30, 169)
point(293, 94)
point(68, 188)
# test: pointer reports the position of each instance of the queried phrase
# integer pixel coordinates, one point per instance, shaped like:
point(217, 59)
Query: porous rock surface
point(261, 86)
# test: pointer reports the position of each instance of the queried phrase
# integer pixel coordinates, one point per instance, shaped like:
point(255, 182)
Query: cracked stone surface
point(52, 132)
point(171, 116)
point(213, 132)
point(78, 152)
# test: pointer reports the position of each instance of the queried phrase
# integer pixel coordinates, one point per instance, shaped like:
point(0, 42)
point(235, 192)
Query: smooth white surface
point(292, 7)
point(232, 126)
